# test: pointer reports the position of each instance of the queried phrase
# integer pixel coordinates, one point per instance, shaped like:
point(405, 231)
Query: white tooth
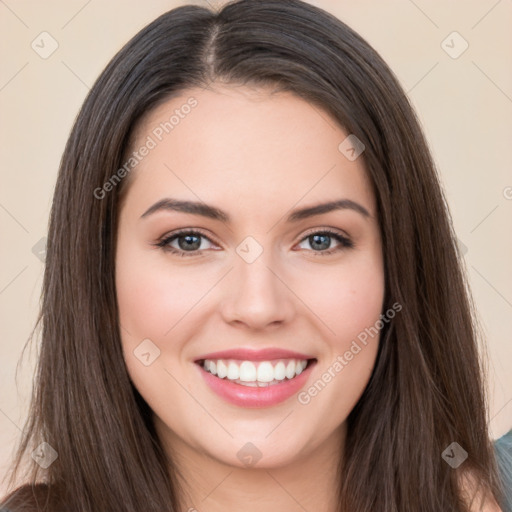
point(290, 370)
point(265, 372)
point(262, 375)
point(279, 371)
point(233, 371)
point(222, 369)
point(247, 372)
point(249, 384)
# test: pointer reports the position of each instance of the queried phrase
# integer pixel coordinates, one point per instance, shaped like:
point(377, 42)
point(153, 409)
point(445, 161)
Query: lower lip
point(247, 396)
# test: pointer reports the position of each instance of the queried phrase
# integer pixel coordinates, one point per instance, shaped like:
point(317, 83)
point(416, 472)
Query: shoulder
point(27, 498)
point(503, 452)
point(473, 496)
point(472, 492)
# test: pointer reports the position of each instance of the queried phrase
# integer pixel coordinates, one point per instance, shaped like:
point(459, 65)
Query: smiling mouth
point(255, 373)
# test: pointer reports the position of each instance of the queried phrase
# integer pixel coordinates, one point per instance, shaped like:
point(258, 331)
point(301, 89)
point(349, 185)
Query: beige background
point(464, 103)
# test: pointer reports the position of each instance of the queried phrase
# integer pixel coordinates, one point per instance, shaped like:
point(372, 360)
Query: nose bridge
point(257, 297)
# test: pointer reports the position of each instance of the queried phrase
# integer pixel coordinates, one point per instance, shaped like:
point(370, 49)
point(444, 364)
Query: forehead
point(236, 143)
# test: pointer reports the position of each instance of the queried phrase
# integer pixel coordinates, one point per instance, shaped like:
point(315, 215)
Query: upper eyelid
point(186, 231)
point(338, 231)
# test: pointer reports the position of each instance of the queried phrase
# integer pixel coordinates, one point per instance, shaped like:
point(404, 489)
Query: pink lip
point(255, 397)
point(266, 354)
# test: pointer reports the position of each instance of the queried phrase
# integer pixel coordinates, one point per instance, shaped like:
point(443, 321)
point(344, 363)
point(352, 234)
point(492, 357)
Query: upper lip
point(246, 354)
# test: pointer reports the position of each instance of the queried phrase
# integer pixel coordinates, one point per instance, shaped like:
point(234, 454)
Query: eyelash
point(345, 243)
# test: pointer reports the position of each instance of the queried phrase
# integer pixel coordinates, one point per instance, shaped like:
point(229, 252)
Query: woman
point(252, 293)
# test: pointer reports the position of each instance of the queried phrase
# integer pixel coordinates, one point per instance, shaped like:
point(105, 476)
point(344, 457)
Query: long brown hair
point(426, 390)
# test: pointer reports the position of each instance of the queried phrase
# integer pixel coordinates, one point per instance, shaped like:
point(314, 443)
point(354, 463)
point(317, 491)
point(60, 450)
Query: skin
point(256, 156)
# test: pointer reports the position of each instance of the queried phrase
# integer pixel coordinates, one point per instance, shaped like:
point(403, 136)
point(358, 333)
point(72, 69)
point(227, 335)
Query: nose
point(257, 295)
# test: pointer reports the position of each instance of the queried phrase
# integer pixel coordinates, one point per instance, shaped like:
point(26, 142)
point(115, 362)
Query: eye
point(321, 240)
point(189, 243)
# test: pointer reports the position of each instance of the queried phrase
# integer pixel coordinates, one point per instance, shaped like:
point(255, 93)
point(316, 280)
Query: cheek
point(347, 298)
point(351, 306)
point(153, 298)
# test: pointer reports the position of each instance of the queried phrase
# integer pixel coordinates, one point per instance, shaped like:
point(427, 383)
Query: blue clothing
point(503, 451)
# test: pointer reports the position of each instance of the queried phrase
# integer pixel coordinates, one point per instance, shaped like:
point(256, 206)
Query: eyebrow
point(199, 208)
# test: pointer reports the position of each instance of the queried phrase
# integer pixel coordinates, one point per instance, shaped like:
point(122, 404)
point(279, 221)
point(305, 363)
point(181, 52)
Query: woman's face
point(253, 274)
